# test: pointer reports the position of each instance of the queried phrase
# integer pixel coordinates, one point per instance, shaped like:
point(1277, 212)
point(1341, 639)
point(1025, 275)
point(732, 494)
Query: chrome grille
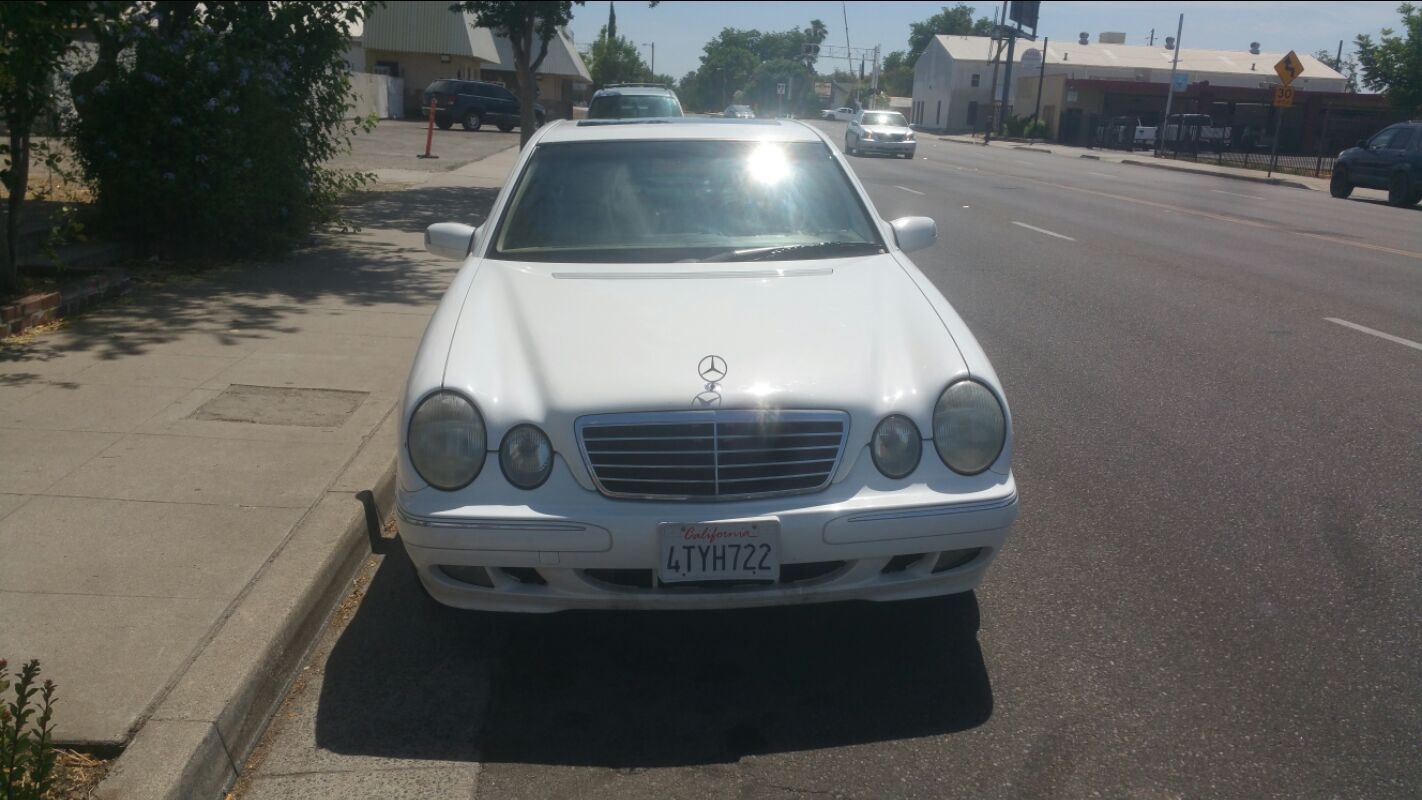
point(712, 455)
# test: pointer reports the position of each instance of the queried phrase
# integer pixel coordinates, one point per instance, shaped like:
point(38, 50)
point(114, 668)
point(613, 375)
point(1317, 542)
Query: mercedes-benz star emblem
point(712, 369)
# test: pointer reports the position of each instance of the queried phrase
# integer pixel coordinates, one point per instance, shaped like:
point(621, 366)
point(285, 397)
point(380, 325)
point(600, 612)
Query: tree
point(955, 21)
point(896, 75)
point(615, 59)
point(34, 37)
point(762, 89)
point(521, 23)
point(1345, 66)
point(1393, 64)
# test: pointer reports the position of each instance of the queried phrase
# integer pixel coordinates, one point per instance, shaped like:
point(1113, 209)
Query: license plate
point(719, 551)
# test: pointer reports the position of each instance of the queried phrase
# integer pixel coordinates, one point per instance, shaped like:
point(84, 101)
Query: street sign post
point(1289, 67)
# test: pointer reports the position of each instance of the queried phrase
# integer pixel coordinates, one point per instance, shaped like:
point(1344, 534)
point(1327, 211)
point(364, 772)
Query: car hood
point(552, 342)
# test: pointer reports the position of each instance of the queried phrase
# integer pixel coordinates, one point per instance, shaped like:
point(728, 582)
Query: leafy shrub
point(213, 125)
point(1036, 129)
point(26, 751)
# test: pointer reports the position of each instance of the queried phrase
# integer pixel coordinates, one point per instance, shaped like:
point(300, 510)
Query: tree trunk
point(527, 86)
point(19, 185)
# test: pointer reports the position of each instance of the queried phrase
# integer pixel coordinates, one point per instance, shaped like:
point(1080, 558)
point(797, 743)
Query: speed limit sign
point(1283, 96)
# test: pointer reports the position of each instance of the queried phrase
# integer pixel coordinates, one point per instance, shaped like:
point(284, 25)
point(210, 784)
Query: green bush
point(26, 748)
point(213, 126)
point(1036, 129)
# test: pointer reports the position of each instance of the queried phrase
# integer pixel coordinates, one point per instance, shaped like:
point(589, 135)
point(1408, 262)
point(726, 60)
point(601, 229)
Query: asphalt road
point(1214, 588)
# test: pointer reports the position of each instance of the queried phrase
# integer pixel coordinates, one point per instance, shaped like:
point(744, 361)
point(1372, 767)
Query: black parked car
point(1391, 160)
point(473, 103)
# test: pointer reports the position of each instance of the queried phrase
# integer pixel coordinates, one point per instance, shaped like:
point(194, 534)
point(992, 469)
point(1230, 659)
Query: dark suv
point(473, 103)
point(1391, 160)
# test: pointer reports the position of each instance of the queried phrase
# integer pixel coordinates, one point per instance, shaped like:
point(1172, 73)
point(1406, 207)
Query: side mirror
point(450, 239)
point(914, 233)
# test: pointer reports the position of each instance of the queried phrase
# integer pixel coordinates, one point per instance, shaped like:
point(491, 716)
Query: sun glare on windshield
point(768, 164)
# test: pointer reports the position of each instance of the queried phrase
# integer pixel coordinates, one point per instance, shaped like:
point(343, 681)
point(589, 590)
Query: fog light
point(475, 576)
point(952, 559)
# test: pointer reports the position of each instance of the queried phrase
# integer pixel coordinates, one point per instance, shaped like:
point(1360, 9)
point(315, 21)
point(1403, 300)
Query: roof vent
point(1111, 37)
point(1254, 48)
point(1170, 43)
point(1083, 38)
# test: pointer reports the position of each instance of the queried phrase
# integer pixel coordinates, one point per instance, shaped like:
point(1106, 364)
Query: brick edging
point(37, 309)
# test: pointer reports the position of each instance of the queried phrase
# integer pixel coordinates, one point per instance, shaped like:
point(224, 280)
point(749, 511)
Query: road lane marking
point(1365, 329)
point(1041, 230)
point(1237, 194)
point(1100, 174)
point(910, 191)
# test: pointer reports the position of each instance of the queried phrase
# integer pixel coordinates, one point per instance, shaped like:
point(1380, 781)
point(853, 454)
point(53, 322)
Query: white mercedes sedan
point(686, 365)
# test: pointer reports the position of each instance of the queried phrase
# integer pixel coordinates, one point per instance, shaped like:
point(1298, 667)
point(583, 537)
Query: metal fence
point(1227, 154)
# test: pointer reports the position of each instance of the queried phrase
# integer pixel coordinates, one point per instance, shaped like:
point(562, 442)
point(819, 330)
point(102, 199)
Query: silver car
point(879, 132)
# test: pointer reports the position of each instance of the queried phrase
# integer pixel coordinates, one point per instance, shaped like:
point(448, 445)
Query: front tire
point(473, 121)
point(1338, 185)
point(506, 126)
point(444, 123)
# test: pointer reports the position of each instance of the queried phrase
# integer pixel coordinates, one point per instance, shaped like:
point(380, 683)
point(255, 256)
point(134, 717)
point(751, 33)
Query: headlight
point(867, 136)
point(896, 446)
point(909, 137)
point(968, 427)
point(526, 456)
point(446, 441)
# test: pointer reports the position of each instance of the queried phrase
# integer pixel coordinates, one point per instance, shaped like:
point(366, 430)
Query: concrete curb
point(199, 736)
point(1031, 149)
point(1086, 155)
point(1230, 175)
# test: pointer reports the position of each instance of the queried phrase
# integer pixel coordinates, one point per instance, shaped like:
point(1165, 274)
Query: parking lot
point(1212, 590)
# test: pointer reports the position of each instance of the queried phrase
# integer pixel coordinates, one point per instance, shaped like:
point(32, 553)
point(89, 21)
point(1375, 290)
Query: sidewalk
point(1145, 159)
point(181, 469)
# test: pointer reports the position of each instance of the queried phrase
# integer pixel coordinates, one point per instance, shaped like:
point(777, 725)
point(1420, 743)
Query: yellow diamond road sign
point(1289, 67)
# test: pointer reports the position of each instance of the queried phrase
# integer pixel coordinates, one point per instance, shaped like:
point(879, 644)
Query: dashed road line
point(1237, 194)
point(1100, 174)
point(910, 191)
point(1371, 332)
point(1041, 230)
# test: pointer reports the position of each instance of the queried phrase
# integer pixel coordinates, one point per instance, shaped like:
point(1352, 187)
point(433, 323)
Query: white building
point(952, 78)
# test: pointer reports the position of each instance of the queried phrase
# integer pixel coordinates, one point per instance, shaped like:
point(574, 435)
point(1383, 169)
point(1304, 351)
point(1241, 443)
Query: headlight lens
point(446, 441)
point(896, 446)
point(526, 456)
point(968, 427)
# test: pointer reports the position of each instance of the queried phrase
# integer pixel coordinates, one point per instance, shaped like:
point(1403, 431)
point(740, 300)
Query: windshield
point(664, 201)
point(633, 106)
point(885, 118)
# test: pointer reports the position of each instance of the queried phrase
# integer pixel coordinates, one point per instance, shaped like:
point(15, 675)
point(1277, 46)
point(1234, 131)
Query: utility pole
point(1151, 43)
point(874, 84)
point(1170, 90)
point(1041, 76)
point(1007, 78)
point(653, 66)
point(992, 92)
point(848, 54)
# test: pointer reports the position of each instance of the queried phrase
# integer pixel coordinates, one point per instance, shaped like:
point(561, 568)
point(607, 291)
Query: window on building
point(391, 68)
point(972, 112)
point(977, 79)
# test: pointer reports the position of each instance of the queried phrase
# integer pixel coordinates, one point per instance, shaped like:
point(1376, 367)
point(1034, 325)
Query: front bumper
point(565, 547)
point(880, 146)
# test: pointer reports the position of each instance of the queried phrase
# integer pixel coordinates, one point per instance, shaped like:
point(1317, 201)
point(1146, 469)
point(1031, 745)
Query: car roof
point(631, 90)
point(669, 128)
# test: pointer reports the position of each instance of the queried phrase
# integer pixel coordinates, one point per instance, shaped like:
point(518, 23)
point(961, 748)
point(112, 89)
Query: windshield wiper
point(774, 252)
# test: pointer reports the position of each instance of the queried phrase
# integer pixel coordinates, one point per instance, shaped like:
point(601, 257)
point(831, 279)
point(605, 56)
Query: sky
point(681, 28)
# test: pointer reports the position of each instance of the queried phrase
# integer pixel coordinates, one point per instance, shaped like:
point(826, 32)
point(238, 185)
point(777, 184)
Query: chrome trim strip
point(692, 275)
point(935, 511)
point(714, 416)
point(485, 524)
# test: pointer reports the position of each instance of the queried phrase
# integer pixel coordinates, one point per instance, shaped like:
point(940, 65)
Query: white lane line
point(910, 191)
point(1100, 174)
point(1041, 230)
point(1237, 194)
point(1355, 326)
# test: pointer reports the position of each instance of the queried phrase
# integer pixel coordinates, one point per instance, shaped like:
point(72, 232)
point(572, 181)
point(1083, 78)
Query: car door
point(504, 104)
point(1368, 167)
point(1395, 155)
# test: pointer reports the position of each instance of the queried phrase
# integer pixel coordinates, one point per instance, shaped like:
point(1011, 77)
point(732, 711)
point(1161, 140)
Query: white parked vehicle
point(686, 365)
point(880, 132)
point(1193, 128)
point(841, 114)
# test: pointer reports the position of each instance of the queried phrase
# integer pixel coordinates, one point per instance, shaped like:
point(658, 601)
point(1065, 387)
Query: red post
point(429, 136)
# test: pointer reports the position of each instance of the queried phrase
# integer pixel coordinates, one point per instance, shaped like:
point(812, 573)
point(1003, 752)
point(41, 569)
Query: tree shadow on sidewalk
point(411, 679)
point(382, 268)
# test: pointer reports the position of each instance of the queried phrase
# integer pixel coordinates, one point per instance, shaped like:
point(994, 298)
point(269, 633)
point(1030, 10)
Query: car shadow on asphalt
point(411, 679)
